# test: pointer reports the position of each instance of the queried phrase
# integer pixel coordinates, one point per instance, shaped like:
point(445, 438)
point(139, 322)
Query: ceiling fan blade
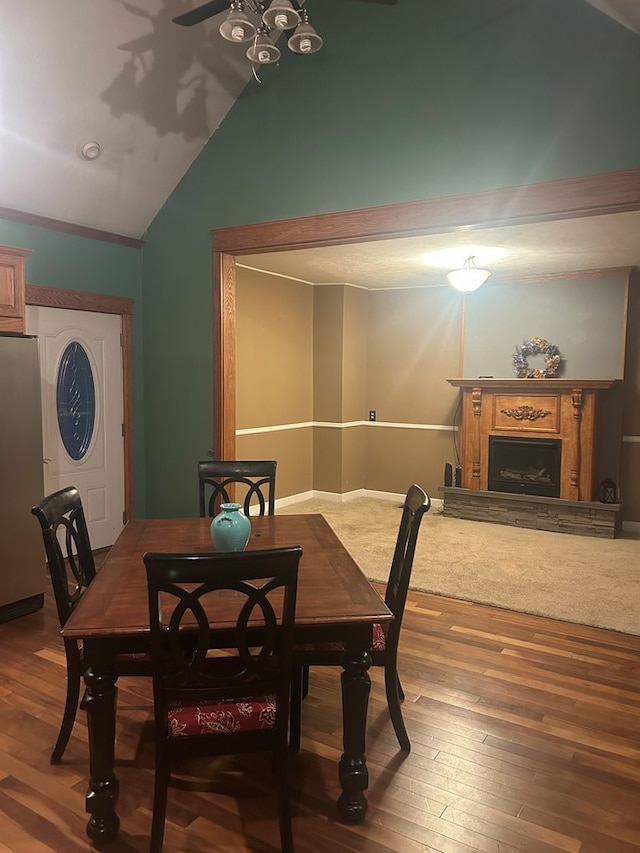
point(201, 13)
point(215, 7)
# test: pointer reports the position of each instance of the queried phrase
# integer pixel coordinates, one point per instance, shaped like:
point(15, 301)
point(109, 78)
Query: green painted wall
point(417, 100)
point(77, 263)
point(412, 101)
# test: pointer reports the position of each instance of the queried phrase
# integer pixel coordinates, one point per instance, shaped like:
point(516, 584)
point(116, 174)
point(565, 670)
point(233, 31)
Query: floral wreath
point(536, 346)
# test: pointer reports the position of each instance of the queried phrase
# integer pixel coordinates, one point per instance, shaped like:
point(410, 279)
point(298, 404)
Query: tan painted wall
point(354, 458)
point(274, 372)
point(334, 352)
point(355, 354)
point(396, 458)
point(415, 343)
point(415, 339)
point(293, 450)
point(328, 335)
point(327, 460)
point(630, 455)
point(274, 350)
point(631, 414)
point(340, 374)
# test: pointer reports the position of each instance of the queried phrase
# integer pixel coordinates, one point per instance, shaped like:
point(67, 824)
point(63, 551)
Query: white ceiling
point(121, 73)
point(626, 12)
point(570, 245)
point(152, 93)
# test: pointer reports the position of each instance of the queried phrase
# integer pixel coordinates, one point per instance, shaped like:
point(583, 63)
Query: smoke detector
point(90, 151)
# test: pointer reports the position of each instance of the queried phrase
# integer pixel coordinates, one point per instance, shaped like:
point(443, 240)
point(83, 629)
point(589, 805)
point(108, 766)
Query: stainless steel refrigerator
point(22, 560)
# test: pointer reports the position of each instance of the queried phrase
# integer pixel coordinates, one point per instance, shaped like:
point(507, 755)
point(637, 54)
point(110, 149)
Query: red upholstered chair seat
point(230, 716)
point(219, 692)
point(384, 647)
point(72, 570)
point(380, 637)
point(131, 658)
point(379, 643)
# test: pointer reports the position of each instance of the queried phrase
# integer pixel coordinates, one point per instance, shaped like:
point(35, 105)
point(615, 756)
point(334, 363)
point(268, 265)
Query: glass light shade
point(281, 15)
point(469, 277)
point(263, 51)
point(237, 27)
point(305, 39)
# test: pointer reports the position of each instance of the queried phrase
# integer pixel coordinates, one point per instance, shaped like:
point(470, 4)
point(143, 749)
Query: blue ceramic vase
point(230, 529)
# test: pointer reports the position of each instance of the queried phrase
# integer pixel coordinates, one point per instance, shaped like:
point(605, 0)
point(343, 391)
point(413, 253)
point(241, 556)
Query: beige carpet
point(574, 578)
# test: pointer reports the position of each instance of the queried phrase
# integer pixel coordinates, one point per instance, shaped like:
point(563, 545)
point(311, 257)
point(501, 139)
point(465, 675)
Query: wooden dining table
point(335, 602)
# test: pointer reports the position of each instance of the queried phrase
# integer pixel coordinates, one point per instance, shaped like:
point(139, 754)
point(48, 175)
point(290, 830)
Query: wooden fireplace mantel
point(533, 385)
point(566, 409)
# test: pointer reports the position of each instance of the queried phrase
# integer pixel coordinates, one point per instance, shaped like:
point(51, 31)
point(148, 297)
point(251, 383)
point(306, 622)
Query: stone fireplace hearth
point(530, 454)
point(584, 518)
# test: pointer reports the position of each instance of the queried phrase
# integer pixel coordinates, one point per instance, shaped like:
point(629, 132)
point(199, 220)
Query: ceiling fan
point(215, 7)
point(269, 16)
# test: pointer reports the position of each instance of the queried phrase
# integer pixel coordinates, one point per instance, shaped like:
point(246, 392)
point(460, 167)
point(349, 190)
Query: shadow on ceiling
point(165, 78)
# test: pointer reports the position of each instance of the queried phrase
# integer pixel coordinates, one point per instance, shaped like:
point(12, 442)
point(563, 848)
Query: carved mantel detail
point(565, 409)
point(525, 413)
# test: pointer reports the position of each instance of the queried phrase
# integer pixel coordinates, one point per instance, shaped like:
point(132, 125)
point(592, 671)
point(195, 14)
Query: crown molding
point(68, 228)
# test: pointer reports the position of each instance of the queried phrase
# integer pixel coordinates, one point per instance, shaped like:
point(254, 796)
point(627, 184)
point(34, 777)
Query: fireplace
point(528, 466)
point(534, 451)
point(567, 411)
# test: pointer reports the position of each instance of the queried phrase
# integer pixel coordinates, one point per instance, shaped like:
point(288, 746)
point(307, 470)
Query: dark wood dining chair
point(222, 688)
point(384, 649)
point(72, 569)
point(254, 481)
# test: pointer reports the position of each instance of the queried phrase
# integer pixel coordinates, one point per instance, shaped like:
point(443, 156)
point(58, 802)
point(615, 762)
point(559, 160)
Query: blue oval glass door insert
point(75, 400)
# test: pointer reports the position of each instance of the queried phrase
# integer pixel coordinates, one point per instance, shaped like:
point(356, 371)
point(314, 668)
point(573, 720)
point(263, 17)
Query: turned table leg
point(354, 776)
point(102, 796)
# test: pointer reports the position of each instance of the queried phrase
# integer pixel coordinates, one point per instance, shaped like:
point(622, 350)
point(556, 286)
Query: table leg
point(354, 776)
point(102, 796)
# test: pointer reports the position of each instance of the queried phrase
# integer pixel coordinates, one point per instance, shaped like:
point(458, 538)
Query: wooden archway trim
point(79, 300)
point(606, 193)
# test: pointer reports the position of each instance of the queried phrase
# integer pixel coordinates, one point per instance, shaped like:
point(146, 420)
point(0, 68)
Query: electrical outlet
point(372, 414)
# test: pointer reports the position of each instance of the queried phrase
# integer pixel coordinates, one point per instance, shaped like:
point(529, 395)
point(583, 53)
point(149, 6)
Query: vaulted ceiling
point(121, 74)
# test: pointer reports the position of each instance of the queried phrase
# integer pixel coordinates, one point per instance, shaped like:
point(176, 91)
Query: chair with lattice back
point(384, 650)
point(221, 673)
point(72, 569)
point(250, 483)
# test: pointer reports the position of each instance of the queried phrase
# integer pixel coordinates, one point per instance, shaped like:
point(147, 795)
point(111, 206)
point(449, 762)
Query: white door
point(82, 411)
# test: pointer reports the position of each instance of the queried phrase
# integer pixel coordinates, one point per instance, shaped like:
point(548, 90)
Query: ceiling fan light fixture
point(281, 15)
point(468, 278)
point(265, 17)
point(305, 39)
point(263, 51)
point(237, 27)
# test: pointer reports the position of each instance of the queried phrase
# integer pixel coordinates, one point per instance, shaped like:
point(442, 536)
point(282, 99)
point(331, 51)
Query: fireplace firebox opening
point(529, 466)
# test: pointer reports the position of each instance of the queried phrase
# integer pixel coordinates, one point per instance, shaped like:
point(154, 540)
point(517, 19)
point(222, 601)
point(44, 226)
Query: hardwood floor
point(525, 733)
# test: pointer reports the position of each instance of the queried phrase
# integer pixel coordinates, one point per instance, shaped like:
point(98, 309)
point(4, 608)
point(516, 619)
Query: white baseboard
point(325, 496)
point(335, 497)
point(384, 496)
point(294, 499)
point(339, 498)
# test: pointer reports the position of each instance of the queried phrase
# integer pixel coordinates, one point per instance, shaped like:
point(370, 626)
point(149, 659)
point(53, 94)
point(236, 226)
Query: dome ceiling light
point(468, 278)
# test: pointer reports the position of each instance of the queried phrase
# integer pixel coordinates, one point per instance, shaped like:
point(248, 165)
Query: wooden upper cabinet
point(12, 288)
